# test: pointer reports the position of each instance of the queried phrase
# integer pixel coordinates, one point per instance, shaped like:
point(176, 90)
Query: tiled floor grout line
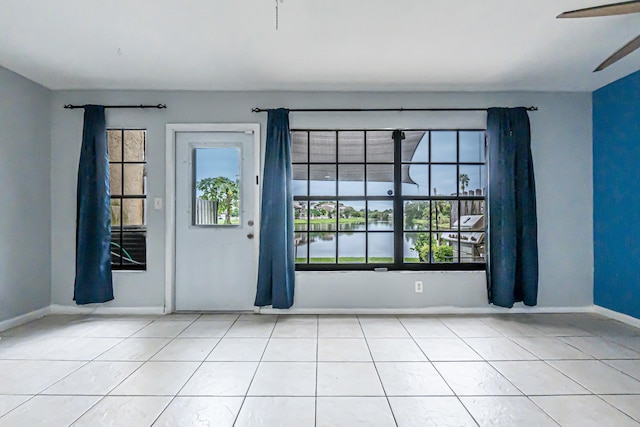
point(244, 398)
point(375, 366)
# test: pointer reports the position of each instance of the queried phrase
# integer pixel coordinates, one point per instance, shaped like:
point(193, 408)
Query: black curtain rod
point(159, 106)
point(355, 110)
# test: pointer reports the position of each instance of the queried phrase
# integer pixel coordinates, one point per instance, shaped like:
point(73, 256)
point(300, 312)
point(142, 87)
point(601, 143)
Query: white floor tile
point(186, 349)
point(31, 377)
point(430, 411)
point(290, 350)
point(181, 316)
point(629, 367)
point(32, 348)
point(343, 350)
point(507, 411)
point(219, 316)
point(354, 412)
point(251, 329)
point(200, 412)
point(582, 411)
point(94, 378)
point(238, 350)
point(395, 350)
point(47, 411)
point(629, 404)
point(499, 349)
point(475, 379)
point(284, 379)
point(163, 329)
point(134, 349)
point(268, 318)
point(598, 377)
point(512, 326)
point(348, 379)
point(220, 379)
point(550, 348)
point(377, 328)
point(538, 378)
point(277, 411)
point(447, 349)
point(601, 348)
point(411, 379)
point(339, 327)
point(471, 327)
point(632, 343)
point(427, 328)
point(293, 328)
point(9, 402)
point(207, 329)
point(82, 349)
point(157, 379)
point(116, 328)
point(130, 411)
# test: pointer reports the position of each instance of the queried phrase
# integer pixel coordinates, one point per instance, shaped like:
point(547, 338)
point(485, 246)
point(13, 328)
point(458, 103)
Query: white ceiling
point(434, 45)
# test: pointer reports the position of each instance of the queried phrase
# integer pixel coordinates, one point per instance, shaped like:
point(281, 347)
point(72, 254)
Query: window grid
point(396, 198)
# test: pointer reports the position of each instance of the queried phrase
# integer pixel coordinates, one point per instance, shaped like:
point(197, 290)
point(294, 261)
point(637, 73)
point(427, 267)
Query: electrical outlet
point(419, 286)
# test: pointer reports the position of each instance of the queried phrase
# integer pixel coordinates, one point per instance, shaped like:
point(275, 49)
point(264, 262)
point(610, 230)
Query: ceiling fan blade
point(622, 8)
point(621, 53)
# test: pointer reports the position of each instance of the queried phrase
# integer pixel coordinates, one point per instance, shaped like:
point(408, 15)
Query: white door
point(216, 220)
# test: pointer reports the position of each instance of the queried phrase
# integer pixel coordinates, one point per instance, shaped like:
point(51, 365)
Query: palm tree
point(464, 181)
point(221, 189)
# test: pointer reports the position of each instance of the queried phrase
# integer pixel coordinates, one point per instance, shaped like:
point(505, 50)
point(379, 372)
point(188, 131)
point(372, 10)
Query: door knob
point(250, 236)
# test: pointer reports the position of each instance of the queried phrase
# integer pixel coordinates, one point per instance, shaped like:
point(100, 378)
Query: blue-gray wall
point(25, 200)
point(616, 210)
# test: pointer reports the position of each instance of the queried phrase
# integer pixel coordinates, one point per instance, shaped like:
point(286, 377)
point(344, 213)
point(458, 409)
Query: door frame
point(170, 195)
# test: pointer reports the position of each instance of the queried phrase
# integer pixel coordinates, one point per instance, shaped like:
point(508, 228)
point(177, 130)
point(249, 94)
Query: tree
point(464, 181)
point(224, 191)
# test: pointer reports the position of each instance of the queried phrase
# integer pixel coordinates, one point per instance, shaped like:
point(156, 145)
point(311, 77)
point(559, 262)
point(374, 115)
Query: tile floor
point(224, 370)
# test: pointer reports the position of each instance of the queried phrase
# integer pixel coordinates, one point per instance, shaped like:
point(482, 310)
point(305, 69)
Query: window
point(127, 169)
point(404, 200)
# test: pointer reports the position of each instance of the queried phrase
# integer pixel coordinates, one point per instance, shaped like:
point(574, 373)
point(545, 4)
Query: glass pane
point(351, 180)
point(472, 146)
point(116, 214)
point(134, 179)
point(380, 146)
point(380, 216)
point(114, 139)
point(322, 180)
point(299, 147)
point(300, 175)
point(134, 248)
point(351, 146)
point(443, 146)
point(444, 213)
point(415, 180)
point(442, 249)
point(380, 247)
point(351, 247)
point(300, 251)
point(416, 215)
point(380, 180)
point(323, 216)
point(322, 247)
point(352, 216)
point(322, 147)
point(134, 145)
point(473, 180)
point(217, 186)
point(115, 179)
point(443, 180)
point(416, 247)
point(133, 211)
point(415, 146)
point(300, 215)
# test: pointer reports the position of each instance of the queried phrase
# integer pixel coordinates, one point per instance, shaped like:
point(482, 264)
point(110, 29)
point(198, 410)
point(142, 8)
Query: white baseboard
point(624, 318)
point(428, 310)
point(98, 309)
point(25, 318)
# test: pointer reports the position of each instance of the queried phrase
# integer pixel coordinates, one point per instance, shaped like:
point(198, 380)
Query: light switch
point(157, 203)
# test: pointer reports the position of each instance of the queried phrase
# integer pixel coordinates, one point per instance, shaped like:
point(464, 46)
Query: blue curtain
point(276, 271)
point(93, 213)
point(512, 265)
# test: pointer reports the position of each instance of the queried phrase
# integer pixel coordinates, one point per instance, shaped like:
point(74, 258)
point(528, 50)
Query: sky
point(218, 161)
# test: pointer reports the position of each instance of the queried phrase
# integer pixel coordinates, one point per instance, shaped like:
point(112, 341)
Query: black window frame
point(398, 204)
point(134, 231)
